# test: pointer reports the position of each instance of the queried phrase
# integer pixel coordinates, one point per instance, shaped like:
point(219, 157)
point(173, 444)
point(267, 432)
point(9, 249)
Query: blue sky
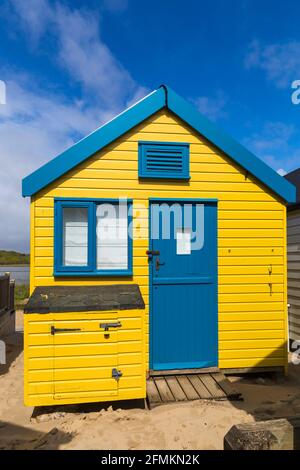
point(69, 66)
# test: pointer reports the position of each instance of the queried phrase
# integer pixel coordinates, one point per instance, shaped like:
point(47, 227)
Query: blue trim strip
point(94, 142)
point(90, 270)
point(94, 199)
point(183, 280)
point(183, 365)
point(134, 116)
point(185, 199)
point(94, 274)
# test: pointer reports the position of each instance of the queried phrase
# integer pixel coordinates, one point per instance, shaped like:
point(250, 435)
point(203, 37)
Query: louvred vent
point(160, 160)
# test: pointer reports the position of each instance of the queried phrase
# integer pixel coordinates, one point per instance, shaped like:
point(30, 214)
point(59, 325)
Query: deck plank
point(164, 391)
point(174, 372)
point(175, 388)
point(152, 392)
point(187, 387)
point(212, 386)
point(226, 385)
point(167, 388)
point(200, 387)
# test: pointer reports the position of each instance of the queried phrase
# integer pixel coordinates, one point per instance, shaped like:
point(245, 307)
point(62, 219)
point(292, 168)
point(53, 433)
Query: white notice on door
point(183, 241)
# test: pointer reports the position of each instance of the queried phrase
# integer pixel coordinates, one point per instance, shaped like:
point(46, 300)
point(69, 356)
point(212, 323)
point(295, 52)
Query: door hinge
point(116, 374)
point(61, 330)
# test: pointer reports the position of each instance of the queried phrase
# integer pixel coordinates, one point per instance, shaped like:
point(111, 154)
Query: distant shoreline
point(14, 265)
point(14, 258)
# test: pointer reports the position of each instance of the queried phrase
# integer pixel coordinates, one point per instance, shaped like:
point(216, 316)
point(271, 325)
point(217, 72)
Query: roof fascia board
point(163, 96)
point(230, 147)
point(92, 143)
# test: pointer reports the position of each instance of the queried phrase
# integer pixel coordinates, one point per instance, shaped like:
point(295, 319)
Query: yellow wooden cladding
point(251, 249)
point(77, 365)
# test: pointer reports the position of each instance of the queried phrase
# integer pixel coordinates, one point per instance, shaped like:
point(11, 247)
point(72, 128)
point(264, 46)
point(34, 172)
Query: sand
point(195, 425)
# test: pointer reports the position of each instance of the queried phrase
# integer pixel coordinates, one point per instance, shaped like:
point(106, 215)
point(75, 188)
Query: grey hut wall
point(293, 240)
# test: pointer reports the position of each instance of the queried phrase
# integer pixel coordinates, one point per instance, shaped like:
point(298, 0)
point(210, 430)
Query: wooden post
point(12, 295)
point(274, 434)
point(4, 291)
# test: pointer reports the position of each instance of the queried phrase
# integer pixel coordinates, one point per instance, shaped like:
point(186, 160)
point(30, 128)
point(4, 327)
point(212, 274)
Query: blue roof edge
point(163, 96)
point(93, 142)
point(231, 147)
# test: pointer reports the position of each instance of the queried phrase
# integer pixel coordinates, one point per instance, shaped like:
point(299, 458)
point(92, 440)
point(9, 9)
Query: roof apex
point(164, 96)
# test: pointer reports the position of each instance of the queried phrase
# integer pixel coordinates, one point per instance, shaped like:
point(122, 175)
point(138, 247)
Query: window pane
point(75, 236)
point(112, 236)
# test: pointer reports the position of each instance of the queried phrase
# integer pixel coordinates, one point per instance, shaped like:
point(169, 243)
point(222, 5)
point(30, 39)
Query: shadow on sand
point(14, 437)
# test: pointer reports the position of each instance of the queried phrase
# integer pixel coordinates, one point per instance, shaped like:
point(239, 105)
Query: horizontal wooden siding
point(77, 366)
point(251, 231)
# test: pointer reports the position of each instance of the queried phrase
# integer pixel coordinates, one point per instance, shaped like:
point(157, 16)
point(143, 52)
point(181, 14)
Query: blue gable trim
point(152, 103)
point(86, 147)
point(230, 147)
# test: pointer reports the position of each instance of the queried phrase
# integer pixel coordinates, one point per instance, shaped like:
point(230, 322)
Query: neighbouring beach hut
point(293, 250)
point(158, 243)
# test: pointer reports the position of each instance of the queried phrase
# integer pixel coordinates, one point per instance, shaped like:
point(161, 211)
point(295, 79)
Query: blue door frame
point(202, 311)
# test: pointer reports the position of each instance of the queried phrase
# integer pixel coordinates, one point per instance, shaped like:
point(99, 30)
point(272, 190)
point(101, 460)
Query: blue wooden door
point(183, 285)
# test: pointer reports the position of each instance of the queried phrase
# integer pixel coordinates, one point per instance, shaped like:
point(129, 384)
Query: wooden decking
point(162, 389)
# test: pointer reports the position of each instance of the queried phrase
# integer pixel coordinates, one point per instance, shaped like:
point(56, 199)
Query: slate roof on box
point(84, 298)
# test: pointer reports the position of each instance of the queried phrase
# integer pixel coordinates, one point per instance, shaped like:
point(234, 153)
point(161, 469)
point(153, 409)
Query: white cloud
point(33, 15)
point(88, 60)
point(273, 145)
point(81, 51)
point(34, 127)
point(212, 107)
point(2, 92)
point(280, 62)
point(36, 124)
point(274, 135)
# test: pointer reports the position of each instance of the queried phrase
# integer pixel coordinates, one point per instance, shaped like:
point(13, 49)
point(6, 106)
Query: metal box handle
point(106, 326)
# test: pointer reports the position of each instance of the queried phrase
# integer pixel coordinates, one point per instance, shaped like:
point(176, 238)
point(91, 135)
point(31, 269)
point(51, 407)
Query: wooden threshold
point(252, 370)
point(183, 387)
point(206, 370)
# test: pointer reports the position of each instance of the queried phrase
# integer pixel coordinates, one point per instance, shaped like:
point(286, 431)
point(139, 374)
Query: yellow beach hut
point(158, 243)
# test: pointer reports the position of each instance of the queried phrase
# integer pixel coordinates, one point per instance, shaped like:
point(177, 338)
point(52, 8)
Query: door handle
point(61, 330)
point(151, 253)
point(158, 264)
point(106, 326)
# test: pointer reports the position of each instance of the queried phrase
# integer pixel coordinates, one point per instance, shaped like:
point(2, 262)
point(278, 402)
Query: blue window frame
point(168, 160)
point(83, 245)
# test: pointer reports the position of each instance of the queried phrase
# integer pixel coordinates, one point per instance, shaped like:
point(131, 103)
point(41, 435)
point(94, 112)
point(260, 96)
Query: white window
point(112, 236)
point(75, 236)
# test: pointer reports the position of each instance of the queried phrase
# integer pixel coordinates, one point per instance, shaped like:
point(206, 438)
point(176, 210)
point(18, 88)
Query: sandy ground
point(194, 425)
